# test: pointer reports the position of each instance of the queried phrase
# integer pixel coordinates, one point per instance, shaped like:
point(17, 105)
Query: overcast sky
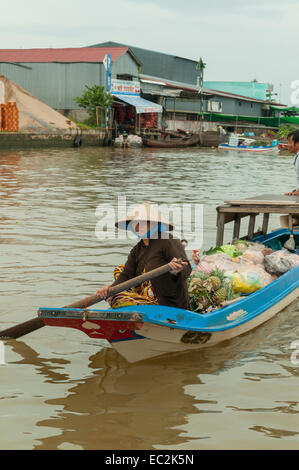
point(240, 40)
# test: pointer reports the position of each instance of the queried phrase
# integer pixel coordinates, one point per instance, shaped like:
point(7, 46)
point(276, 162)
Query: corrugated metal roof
point(68, 55)
point(160, 64)
point(205, 91)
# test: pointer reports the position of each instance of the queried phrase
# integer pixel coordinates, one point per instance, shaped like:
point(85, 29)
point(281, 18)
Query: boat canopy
point(141, 105)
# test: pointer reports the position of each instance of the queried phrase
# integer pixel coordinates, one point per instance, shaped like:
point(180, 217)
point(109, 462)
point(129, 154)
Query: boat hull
point(160, 340)
point(172, 143)
point(146, 331)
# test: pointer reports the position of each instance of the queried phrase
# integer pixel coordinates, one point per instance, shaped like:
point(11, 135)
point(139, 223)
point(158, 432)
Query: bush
point(92, 97)
point(284, 131)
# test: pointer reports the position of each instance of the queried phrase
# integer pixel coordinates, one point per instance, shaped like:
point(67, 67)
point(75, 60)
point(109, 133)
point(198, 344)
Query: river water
point(62, 390)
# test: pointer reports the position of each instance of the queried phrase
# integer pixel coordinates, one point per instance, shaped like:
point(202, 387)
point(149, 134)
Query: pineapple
point(219, 296)
point(197, 282)
point(209, 291)
point(216, 282)
point(202, 303)
point(208, 285)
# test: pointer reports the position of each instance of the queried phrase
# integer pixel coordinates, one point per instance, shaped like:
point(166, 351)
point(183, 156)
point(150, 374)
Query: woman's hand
point(175, 266)
point(103, 292)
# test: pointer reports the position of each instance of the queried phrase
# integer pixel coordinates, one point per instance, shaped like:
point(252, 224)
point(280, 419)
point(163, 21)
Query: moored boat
point(250, 148)
point(146, 331)
point(172, 143)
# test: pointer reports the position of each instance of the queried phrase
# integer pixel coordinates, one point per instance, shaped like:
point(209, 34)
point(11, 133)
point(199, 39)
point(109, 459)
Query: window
point(124, 76)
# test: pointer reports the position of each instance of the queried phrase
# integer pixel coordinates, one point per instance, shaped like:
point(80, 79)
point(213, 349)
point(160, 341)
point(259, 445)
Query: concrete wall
point(9, 140)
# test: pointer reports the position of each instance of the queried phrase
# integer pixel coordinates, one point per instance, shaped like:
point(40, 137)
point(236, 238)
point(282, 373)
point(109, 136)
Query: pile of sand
point(34, 115)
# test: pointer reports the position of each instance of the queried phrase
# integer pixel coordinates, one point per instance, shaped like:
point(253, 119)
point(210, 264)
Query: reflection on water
point(62, 390)
point(204, 399)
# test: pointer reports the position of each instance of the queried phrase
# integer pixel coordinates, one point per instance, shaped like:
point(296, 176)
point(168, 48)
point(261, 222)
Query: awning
point(141, 105)
point(292, 109)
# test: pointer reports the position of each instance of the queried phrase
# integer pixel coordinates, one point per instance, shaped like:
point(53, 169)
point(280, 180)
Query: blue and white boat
point(242, 146)
point(146, 331)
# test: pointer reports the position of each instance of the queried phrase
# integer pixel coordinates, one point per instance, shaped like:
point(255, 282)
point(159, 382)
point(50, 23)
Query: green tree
point(92, 97)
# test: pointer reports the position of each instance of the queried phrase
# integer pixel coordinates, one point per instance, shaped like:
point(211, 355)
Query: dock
point(236, 209)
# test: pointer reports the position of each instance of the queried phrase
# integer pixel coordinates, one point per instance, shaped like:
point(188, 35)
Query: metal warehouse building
point(158, 64)
point(172, 81)
point(57, 76)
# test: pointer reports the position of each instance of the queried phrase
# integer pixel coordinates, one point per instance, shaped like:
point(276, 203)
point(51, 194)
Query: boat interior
point(276, 239)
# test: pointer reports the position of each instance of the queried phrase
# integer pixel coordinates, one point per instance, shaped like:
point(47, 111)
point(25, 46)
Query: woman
point(155, 248)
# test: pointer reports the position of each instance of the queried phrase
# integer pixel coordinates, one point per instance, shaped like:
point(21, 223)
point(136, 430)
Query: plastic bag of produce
point(205, 267)
point(256, 246)
point(279, 262)
point(251, 255)
point(241, 245)
point(248, 278)
point(245, 282)
point(217, 261)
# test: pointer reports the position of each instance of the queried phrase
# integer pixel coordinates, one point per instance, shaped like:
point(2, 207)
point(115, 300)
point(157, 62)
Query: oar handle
point(135, 281)
point(31, 325)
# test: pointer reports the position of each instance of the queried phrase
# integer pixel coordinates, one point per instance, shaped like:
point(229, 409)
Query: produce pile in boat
point(209, 291)
point(228, 271)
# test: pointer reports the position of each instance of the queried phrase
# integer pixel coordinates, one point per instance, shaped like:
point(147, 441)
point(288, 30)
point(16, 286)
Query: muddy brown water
point(61, 389)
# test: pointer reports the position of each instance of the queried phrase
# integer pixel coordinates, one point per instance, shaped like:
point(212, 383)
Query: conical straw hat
point(144, 212)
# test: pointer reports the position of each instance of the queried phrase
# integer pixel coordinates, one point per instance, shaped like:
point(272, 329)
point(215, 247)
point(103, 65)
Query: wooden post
point(265, 223)
point(290, 222)
point(237, 224)
point(220, 229)
point(251, 226)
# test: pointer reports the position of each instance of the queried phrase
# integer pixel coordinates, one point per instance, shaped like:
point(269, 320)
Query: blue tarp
point(141, 105)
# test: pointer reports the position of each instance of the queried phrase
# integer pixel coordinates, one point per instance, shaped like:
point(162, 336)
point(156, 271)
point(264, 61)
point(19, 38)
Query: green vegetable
point(230, 250)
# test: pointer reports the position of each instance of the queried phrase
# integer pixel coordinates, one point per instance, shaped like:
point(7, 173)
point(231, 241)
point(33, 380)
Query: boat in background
point(244, 147)
point(186, 141)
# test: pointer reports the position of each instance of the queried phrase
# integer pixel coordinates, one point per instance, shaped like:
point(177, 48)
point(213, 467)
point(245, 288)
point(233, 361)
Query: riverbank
point(67, 138)
point(82, 137)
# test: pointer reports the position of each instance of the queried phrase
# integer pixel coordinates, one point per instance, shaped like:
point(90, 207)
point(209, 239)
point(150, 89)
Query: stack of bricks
point(9, 120)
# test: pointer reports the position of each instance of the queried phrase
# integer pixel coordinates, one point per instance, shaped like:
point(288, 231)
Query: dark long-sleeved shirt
point(170, 289)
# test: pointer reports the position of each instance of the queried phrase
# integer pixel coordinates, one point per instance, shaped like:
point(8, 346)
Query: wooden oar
point(31, 325)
